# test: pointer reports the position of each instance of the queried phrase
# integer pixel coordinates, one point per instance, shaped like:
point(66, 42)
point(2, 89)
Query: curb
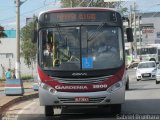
point(16, 100)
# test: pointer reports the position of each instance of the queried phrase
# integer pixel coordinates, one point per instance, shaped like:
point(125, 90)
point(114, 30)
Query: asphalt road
point(142, 101)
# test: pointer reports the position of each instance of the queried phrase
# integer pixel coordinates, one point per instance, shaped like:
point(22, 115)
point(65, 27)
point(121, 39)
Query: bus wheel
point(138, 79)
point(49, 111)
point(116, 109)
point(127, 85)
point(157, 82)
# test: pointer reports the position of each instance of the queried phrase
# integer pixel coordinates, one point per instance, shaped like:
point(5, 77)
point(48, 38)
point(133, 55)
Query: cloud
point(9, 25)
point(12, 23)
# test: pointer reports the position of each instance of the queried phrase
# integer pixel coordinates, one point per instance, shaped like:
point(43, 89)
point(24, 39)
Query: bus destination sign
point(74, 17)
point(80, 17)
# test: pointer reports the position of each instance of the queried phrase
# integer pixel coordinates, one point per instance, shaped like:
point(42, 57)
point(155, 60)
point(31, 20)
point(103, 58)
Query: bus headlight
point(115, 87)
point(48, 88)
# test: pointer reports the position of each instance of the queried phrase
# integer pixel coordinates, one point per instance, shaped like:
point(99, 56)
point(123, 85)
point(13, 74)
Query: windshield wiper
point(94, 34)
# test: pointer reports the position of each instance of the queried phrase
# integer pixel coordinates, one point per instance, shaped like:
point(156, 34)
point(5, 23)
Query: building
point(10, 33)
point(147, 30)
point(8, 56)
point(150, 26)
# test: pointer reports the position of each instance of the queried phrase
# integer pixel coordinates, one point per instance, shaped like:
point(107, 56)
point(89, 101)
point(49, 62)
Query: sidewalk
point(6, 101)
point(26, 85)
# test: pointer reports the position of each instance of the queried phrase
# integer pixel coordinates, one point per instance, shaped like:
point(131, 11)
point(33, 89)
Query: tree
point(2, 34)
point(82, 3)
point(28, 48)
point(94, 3)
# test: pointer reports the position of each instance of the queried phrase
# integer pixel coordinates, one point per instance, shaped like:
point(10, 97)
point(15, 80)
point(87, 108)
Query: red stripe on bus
point(80, 9)
point(81, 87)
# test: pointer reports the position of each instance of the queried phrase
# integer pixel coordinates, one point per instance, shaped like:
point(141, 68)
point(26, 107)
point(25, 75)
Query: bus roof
point(79, 9)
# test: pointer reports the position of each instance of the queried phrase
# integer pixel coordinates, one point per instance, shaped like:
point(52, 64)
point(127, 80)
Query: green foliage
point(83, 3)
point(2, 34)
point(27, 47)
point(23, 77)
point(26, 77)
point(2, 79)
point(94, 3)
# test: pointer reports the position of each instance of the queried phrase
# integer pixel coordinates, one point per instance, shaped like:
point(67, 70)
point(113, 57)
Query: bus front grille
point(91, 100)
point(81, 80)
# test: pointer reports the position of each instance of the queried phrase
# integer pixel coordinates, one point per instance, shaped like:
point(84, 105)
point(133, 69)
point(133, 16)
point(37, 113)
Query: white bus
point(83, 69)
point(150, 52)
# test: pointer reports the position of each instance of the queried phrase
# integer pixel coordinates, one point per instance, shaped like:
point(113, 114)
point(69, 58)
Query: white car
point(158, 75)
point(146, 70)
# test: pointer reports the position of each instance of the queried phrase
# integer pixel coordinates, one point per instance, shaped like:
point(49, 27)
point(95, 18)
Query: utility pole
point(139, 27)
point(130, 25)
point(17, 65)
point(135, 37)
point(130, 17)
point(71, 3)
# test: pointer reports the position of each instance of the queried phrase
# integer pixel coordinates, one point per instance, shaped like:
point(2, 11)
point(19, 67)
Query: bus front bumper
point(84, 98)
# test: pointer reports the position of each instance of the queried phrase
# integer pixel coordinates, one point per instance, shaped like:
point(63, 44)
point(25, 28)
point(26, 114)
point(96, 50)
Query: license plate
point(146, 75)
point(81, 99)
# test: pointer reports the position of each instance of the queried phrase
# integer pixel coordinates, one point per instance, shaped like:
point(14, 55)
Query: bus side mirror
point(129, 34)
point(34, 32)
point(34, 36)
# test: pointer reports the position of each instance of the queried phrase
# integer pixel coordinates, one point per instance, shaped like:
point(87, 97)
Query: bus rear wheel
point(127, 84)
point(157, 82)
point(49, 111)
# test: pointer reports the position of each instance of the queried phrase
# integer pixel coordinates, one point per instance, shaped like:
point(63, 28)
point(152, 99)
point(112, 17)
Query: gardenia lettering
point(79, 87)
point(58, 87)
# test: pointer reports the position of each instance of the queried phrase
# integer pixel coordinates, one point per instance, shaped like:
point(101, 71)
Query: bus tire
point(127, 84)
point(48, 111)
point(157, 82)
point(116, 109)
point(138, 79)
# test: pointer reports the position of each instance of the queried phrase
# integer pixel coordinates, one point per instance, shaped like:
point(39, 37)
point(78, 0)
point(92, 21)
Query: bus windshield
point(80, 48)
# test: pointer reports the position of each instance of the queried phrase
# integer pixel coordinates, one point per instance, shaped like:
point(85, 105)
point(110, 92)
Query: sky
point(31, 7)
point(27, 10)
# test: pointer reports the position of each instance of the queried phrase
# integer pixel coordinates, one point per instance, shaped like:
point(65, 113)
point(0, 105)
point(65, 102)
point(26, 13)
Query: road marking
point(24, 108)
point(27, 106)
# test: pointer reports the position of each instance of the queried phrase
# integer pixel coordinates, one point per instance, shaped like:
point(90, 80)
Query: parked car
point(158, 74)
point(146, 70)
point(35, 85)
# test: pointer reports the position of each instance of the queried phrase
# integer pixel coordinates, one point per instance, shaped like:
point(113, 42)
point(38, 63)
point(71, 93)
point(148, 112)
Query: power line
point(27, 12)
point(89, 3)
point(80, 3)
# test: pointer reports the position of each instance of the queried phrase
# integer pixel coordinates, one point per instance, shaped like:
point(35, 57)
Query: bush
point(23, 77)
point(2, 79)
point(26, 77)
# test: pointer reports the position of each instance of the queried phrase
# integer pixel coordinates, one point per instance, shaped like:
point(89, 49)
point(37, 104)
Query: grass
point(26, 77)
point(23, 77)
